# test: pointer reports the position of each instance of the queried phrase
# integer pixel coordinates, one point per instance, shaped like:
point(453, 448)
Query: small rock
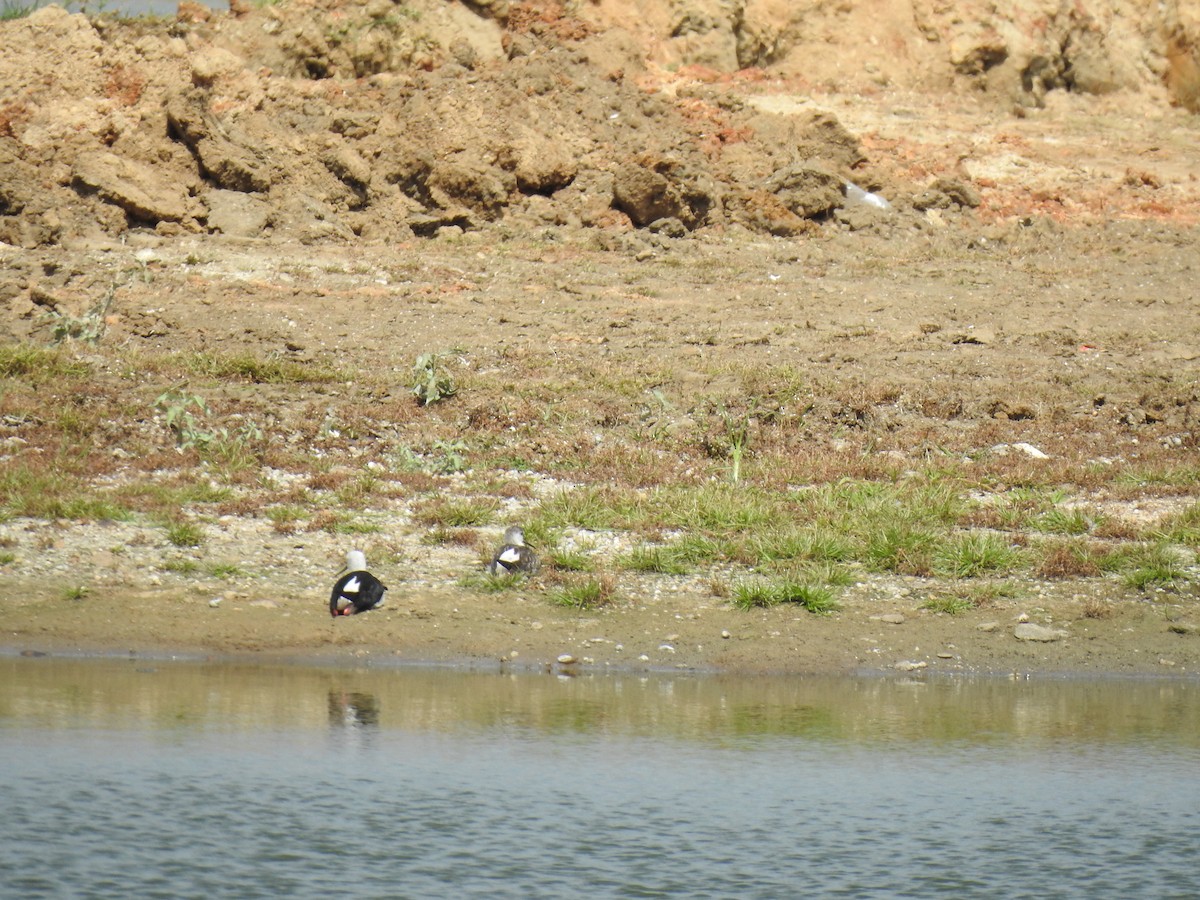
point(1182, 628)
point(988, 626)
point(1030, 631)
point(725, 634)
point(215, 602)
point(890, 618)
point(945, 655)
point(666, 648)
point(907, 665)
point(567, 660)
point(1030, 450)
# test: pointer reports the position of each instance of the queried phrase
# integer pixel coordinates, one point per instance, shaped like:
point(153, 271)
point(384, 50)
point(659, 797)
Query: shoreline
point(879, 630)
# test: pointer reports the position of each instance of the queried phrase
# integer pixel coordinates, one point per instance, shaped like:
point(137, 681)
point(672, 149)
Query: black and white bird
point(357, 590)
point(514, 556)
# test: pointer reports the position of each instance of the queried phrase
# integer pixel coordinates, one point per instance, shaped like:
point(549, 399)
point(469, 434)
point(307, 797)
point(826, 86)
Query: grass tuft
point(588, 593)
point(971, 555)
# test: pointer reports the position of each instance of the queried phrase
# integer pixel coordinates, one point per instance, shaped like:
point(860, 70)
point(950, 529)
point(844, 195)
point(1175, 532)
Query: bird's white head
point(515, 535)
point(356, 561)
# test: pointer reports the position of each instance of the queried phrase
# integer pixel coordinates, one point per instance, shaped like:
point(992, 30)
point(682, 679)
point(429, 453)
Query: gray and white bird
point(514, 557)
point(357, 590)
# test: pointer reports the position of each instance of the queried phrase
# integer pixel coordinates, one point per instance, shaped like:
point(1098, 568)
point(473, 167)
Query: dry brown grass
point(1068, 559)
point(1094, 608)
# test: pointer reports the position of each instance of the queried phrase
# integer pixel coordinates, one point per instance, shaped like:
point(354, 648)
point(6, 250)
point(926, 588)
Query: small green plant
point(38, 364)
point(89, 327)
point(7, 558)
point(458, 513)
point(590, 593)
point(182, 566)
point(970, 555)
point(177, 408)
point(762, 593)
point(185, 534)
point(78, 592)
point(1156, 565)
point(754, 594)
point(570, 560)
point(660, 560)
point(950, 604)
point(486, 583)
point(13, 9)
point(451, 457)
point(285, 519)
point(1063, 521)
point(815, 598)
point(903, 549)
point(737, 432)
point(191, 432)
point(431, 382)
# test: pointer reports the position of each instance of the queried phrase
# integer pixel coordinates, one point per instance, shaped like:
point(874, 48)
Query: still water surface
point(128, 779)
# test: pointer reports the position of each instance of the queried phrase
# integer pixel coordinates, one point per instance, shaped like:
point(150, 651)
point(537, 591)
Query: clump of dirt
point(321, 120)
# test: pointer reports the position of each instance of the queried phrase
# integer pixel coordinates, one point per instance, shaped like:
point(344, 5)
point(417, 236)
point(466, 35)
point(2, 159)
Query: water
point(128, 779)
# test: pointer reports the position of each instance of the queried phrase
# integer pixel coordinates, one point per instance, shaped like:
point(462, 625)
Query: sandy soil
point(1052, 305)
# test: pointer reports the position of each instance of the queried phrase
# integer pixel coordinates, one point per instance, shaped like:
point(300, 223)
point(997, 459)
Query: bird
point(514, 557)
point(357, 590)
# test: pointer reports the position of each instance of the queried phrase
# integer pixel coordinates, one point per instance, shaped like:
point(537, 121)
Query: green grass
point(1183, 528)
point(148, 497)
point(182, 566)
point(815, 598)
point(591, 508)
point(973, 554)
point(459, 513)
point(902, 549)
point(355, 493)
point(247, 367)
point(1182, 475)
point(352, 525)
point(1074, 521)
point(656, 560)
point(817, 544)
point(54, 493)
point(10, 10)
point(1147, 565)
point(754, 594)
point(487, 583)
point(760, 593)
point(950, 604)
point(37, 365)
point(7, 557)
point(185, 534)
point(570, 560)
point(588, 593)
point(286, 518)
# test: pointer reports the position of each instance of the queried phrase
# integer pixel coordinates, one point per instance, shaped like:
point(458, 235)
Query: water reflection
point(353, 709)
point(106, 693)
point(190, 780)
